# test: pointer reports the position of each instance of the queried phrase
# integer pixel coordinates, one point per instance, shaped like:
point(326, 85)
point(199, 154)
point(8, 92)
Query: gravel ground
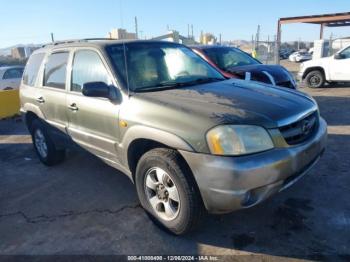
point(85, 207)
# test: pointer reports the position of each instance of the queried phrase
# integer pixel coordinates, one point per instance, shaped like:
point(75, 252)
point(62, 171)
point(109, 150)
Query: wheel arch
point(29, 118)
point(314, 68)
point(139, 139)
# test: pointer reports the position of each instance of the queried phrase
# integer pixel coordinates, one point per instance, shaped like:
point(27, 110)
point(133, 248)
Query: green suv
point(188, 138)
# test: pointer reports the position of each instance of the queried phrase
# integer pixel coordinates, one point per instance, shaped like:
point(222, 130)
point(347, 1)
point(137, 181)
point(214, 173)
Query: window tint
point(55, 70)
point(159, 64)
point(346, 53)
point(87, 67)
point(13, 73)
point(225, 58)
point(32, 69)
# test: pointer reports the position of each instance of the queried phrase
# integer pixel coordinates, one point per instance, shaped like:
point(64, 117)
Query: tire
point(186, 212)
point(315, 79)
point(44, 146)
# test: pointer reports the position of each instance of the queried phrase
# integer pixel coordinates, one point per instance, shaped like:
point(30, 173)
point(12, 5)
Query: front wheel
point(167, 190)
point(315, 79)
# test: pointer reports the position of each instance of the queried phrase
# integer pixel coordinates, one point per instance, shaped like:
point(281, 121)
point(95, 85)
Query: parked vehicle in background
point(234, 63)
point(10, 77)
point(285, 53)
point(186, 136)
point(300, 56)
point(317, 72)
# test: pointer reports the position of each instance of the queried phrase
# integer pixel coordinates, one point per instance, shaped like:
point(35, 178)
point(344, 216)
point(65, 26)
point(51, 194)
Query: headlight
point(238, 140)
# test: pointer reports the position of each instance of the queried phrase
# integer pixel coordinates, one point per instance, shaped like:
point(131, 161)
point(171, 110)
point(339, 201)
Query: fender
point(145, 132)
point(28, 107)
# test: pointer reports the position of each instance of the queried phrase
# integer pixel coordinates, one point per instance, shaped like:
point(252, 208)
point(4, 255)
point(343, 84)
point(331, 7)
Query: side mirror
point(96, 89)
point(338, 56)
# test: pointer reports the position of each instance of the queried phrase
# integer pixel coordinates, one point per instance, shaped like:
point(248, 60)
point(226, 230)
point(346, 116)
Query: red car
point(234, 63)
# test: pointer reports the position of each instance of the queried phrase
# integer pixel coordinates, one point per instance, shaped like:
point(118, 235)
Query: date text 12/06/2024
point(173, 258)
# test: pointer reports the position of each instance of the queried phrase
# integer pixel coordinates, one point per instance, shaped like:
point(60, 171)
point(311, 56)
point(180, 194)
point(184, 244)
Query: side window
point(32, 68)
point(346, 53)
point(13, 73)
point(87, 67)
point(55, 70)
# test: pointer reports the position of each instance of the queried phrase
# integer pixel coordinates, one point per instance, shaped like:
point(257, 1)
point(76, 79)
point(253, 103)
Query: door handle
point(73, 107)
point(40, 100)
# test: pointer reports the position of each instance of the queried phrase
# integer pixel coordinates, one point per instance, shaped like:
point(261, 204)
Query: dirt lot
point(85, 207)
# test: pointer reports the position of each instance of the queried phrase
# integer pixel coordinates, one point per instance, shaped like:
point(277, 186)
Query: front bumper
point(300, 76)
point(230, 183)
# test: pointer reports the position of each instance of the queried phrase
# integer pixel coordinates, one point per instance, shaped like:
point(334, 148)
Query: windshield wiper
point(173, 84)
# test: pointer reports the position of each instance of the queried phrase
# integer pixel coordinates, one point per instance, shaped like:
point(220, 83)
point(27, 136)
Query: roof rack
point(76, 41)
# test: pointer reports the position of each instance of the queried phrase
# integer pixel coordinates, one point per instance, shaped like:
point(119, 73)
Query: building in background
point(207, 39)
point(340, 43)
point(120, 33)
point(18, 52)
point(174, 36)
point(22, 52)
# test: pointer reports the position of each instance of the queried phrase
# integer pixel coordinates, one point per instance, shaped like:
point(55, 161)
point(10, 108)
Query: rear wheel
point(44, 146)
point(167, 190)
point(315, 79)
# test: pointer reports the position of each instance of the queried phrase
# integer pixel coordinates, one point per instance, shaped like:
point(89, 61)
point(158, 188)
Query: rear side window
point(13, 73)
point(32, 68)
point(87, 67)
point(55, 70)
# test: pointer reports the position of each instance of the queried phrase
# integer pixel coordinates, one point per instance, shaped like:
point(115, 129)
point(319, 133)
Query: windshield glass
point(160, 65)
point(225, 58)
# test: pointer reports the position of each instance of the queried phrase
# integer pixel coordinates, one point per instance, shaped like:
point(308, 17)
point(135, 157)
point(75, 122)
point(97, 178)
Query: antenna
point(52, 38)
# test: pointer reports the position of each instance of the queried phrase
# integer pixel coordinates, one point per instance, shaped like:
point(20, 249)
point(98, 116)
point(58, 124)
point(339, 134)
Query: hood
point(234, 102)
point(318, 61)
point(264, 73)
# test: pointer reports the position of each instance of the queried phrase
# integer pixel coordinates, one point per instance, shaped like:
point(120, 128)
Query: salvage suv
point(186, 136)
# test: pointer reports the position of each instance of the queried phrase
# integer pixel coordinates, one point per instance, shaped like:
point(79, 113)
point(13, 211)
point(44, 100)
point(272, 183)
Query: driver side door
point(340, 68)
point(92, 121)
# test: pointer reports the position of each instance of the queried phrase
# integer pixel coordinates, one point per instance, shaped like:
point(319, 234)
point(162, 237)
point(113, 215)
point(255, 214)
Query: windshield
point(226, 57)
point(160, 65)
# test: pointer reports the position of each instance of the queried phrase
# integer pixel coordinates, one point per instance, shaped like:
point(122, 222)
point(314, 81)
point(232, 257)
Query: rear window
point(55, 70)
point(13, 73)
point(32, 68)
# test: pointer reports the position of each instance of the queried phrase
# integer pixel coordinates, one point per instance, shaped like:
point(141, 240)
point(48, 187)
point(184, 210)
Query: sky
point(24, 22)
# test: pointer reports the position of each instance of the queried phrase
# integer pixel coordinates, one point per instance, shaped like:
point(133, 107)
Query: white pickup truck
point(315, 73)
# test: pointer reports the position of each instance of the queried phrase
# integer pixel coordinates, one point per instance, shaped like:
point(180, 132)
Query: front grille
point(300, 130)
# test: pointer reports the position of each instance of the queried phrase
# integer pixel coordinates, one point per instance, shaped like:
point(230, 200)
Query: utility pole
point(188, 30)
point(136, 28)
point(220, 38)
point(257, 37)
point(192, 31)
point(52, 38)
point(298, 43)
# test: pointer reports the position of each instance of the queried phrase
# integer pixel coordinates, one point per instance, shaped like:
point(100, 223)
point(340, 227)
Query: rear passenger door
point(52, 95)
point(92, 121)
